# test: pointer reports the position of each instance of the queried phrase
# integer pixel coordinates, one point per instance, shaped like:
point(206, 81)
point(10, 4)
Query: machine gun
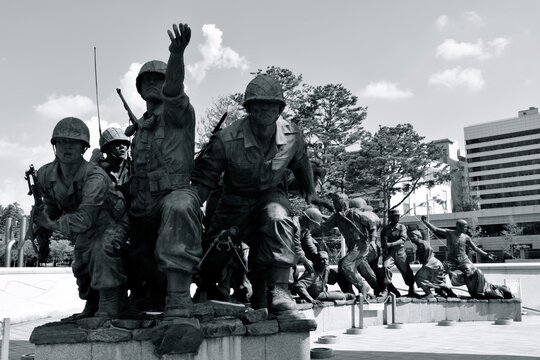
point(42, 235)
point(224, 242)
point(131, 129)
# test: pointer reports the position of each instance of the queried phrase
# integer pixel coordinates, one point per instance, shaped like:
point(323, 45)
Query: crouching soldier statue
point(253, 154)
point(80, 202)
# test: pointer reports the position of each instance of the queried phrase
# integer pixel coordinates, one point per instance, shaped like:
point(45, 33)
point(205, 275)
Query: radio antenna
point(97, 97)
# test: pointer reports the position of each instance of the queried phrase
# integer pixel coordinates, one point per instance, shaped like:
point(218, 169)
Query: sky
point(439, 65)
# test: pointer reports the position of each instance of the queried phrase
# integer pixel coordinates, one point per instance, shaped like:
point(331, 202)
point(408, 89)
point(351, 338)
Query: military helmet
point(71, 128)
point(112, 134)
point(358, 203)
point(264, 87)
point(314, 215)
point(154, 66)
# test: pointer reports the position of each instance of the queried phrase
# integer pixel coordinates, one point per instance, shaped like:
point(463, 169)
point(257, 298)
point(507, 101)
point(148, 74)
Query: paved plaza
point(464, 341)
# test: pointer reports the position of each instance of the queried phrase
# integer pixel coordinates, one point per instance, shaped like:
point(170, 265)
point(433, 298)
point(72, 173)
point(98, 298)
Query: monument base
point(348, 314)
point(218, 331)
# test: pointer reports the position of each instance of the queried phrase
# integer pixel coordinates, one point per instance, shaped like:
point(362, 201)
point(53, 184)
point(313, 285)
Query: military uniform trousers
point(97, 262)
point(397, 256)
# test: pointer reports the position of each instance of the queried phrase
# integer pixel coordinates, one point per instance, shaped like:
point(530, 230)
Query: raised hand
point(180, 37)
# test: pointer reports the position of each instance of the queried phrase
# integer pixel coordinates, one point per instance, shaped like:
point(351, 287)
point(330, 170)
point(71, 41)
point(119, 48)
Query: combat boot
point(109, 303)
point(90, 307)
point(178, 303)
point(279, 298)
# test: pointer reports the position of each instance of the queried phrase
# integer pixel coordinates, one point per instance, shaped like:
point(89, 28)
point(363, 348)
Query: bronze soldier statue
point(461, 269)
point(431, 275)
point(312, 285)
point(113, 157)
point(81, 203)
point(165, 214)
point(253, 154)
point(393, 237)
point(359, 228)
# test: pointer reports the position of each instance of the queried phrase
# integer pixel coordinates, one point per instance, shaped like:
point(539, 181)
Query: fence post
point(5, 339)
point(22, 239)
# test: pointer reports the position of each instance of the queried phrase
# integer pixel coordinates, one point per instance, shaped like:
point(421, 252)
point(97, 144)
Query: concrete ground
point(428, 341)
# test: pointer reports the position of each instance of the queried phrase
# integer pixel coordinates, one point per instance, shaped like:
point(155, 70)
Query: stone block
point(80, 351)
point(118, 351)
point(253, 347)
point(340, 302)
point(452, 311)
point(437, 311)
point(403, 300)
point(267, 327)
point(109, 335)
point(222, 308)
point(287, 346)
point(148, 351)
point(297, 325)
point(148, 323)
point(143, 334)
point(219, 328)
point(58, 333)
point(91, 323)
point(223, 348)
point(253, 316)
point(179, 336)
point(204, 312)
point(126, 323)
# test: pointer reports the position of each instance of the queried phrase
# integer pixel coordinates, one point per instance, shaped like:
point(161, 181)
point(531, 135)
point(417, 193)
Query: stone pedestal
point(218, 331)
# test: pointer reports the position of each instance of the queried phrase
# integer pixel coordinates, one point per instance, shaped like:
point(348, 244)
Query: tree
point(510, 232)
point(230, 104)
point(61, 250)
point(331, 121)
point(15, 212)
point(395, 159)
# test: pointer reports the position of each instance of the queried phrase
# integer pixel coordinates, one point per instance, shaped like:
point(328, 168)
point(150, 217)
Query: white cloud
point(58, 107)
point(215, 55)
point(469, 77)
point(499, 45)
point(129, 90)
point(385, 90)
point(442, 22)
point(473, 18)
point(450, 49)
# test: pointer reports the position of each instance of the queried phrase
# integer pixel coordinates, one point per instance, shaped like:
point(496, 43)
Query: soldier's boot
point(411, 292)
point(109, 303)
point(178, 303)
point(279, 298)
point(90, 307)
point(449, 293)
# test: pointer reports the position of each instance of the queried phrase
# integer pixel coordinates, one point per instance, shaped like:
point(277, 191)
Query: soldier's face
point(151, 85)
point(118, 149)
point(69, 151)
point(264, 113)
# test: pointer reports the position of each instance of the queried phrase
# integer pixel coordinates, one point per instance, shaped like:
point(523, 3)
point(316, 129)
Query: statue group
point(137, 222)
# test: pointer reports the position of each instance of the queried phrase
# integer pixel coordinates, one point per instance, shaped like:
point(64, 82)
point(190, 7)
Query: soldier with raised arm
point(253, 155)
point(460, 268)
point(165, 214)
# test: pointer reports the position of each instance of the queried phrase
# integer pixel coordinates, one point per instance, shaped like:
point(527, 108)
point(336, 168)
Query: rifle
point(214, 131)
point(131, 129)
point(42, 235)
